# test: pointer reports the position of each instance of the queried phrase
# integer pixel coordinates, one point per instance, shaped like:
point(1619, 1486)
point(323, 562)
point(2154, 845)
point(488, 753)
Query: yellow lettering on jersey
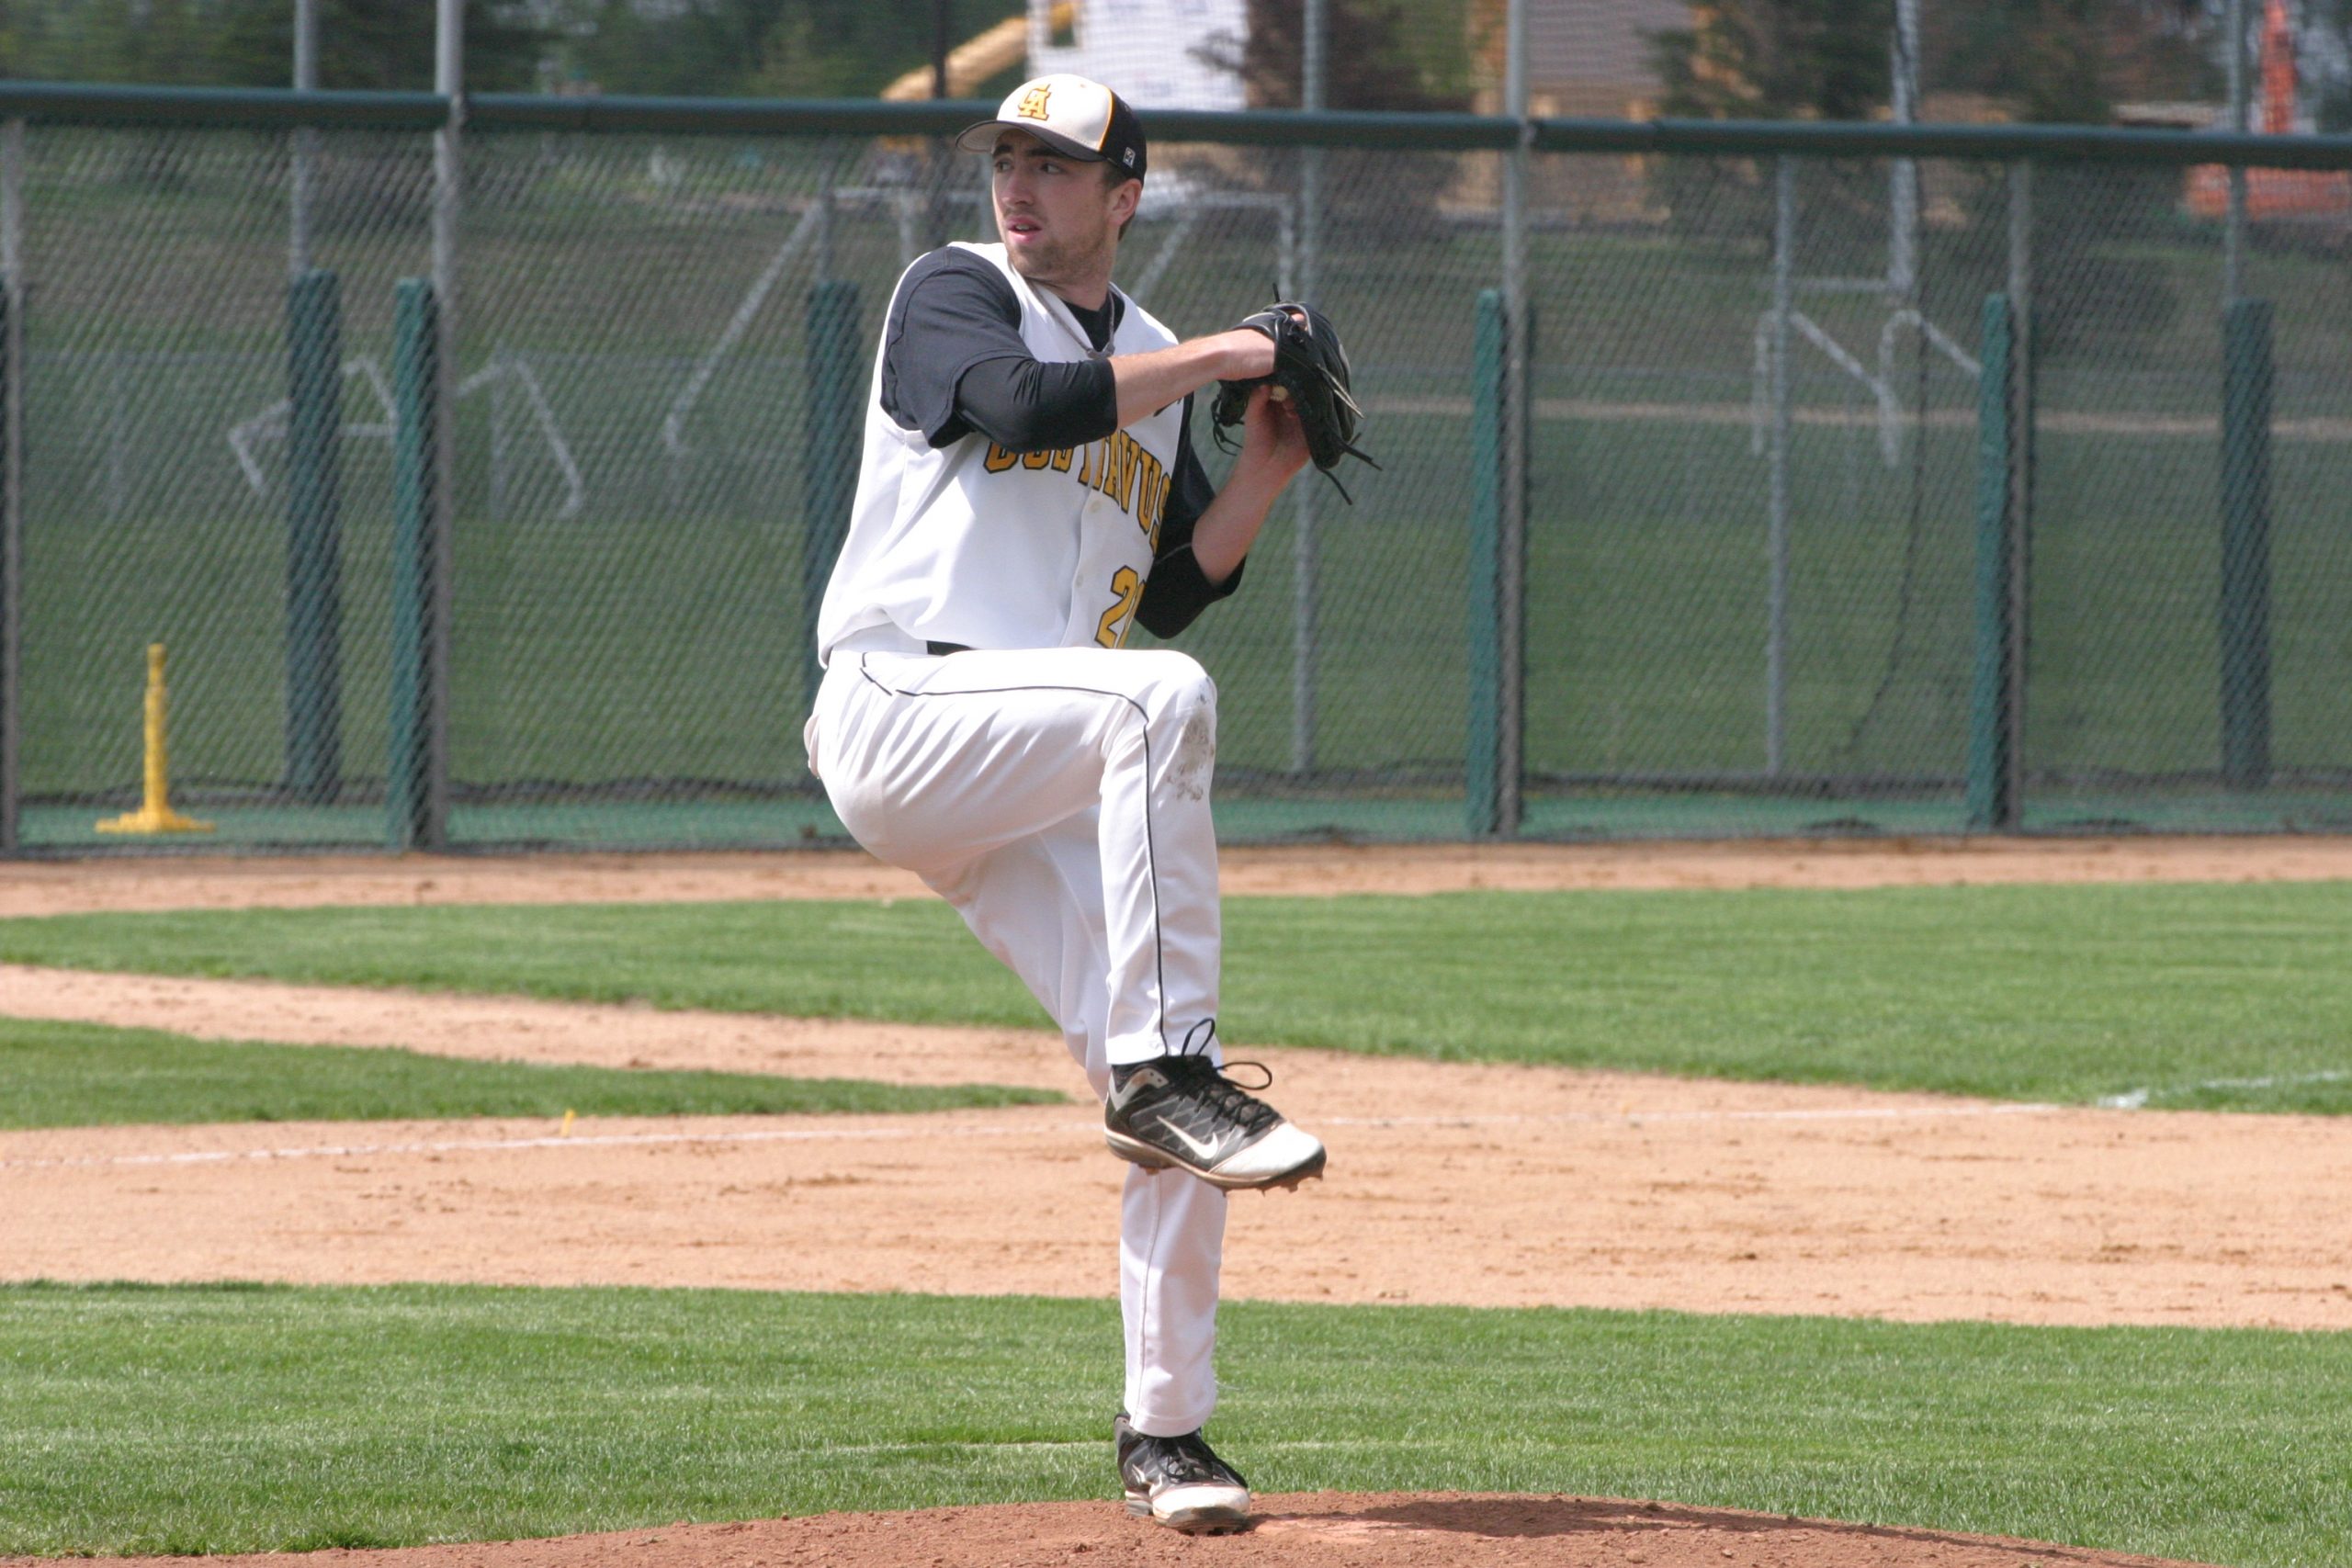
point(1154, 501)
point(1144, 490)
point(1000, 459)
point(1126, 591)
point(1036, 459)
point(1125, 469)
point(1032, 104)
point(1061, 460)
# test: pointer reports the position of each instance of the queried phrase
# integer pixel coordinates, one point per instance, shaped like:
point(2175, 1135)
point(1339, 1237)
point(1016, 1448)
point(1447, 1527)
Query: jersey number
point(1120, 618)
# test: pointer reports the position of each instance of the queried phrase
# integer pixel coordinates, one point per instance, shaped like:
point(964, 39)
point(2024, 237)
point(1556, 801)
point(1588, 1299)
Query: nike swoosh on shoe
point(1206, 1153)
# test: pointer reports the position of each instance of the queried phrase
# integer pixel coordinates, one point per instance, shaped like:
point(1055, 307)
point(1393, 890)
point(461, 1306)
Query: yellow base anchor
point(156, 814)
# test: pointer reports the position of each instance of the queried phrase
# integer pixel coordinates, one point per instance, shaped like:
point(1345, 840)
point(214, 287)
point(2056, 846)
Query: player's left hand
point(1311, 369)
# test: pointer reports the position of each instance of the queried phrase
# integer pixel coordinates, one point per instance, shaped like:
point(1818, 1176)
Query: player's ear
point(1124, 199)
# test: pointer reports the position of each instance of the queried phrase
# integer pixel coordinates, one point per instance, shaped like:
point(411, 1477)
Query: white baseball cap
point(1084, 119)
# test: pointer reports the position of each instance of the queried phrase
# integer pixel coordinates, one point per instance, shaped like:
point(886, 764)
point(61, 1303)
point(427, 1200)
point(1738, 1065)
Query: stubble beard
point(1059, 264)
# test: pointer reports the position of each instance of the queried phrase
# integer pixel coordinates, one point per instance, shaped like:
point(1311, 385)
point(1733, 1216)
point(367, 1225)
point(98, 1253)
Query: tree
point(249, 43)
point(1374, 60)
point(2070, 61)
point(850, 49)
point(2057, 61)
point(2326, 63)
point(1371, 61)
point(1777, 60)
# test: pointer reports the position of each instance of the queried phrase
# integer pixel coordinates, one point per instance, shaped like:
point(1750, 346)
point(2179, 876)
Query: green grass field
point(211, 1419)
point(75, 1075)
point(2214, 995)
point(224, 1419)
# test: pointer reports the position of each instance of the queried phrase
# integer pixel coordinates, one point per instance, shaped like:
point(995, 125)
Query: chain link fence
point(1753, 597)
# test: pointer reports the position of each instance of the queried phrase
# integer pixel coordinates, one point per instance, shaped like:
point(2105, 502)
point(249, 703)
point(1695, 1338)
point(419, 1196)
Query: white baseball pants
point(1059, 799)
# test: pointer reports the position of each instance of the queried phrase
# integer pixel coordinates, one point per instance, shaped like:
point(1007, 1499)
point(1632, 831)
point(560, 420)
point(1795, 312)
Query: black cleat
point(1182, 1110)
point(1180, 1482)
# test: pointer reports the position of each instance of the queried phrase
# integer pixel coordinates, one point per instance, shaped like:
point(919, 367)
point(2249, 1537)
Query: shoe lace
point(1237, 1100)
point(1190, 1458)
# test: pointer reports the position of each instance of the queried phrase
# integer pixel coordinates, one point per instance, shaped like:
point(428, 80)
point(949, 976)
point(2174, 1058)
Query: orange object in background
point(2274, 193)
point(2278, 71)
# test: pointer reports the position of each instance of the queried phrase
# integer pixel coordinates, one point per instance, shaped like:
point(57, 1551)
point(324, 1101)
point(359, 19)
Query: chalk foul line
point(2134, 1099)
point(991, 1129)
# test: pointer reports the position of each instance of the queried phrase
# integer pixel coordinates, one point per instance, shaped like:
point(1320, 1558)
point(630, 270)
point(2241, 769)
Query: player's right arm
point(1149, 382)
point(953, 361)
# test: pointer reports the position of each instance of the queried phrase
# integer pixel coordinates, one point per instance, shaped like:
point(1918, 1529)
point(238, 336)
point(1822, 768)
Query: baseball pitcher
point(1029, 493)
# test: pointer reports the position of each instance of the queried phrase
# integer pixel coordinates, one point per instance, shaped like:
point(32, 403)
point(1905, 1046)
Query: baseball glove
point(1311, 371)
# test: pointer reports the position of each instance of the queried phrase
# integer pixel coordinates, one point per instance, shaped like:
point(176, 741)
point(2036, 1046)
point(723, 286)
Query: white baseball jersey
point(976, 546)
point(1049, 783)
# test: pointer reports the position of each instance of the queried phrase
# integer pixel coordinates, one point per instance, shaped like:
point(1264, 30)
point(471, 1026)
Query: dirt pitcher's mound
point(1432, 1530)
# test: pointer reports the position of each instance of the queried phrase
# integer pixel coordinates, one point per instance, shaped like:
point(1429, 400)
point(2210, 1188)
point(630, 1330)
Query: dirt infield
point(1432, 1530)
point(1479, 1184)
point(1473, 1185)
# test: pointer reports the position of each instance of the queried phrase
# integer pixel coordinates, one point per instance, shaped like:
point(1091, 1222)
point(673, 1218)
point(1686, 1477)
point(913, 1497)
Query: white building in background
point(1148, 51)
point(1585, 58)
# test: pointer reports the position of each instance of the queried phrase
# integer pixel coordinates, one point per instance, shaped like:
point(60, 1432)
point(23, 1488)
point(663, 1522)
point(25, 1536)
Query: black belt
point(942, 648)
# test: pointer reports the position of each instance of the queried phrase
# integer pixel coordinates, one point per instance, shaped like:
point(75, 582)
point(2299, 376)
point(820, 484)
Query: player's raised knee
point(1177, 680)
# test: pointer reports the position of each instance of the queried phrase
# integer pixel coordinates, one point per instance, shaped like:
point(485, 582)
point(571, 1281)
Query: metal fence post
point(314, 538)
point(1776, 540)
point(412, 820)
point(830, 454)
point(1903, 194)
point(1519, 342)
point(1992, 711)
point(1494, 755)
point(448, 201)
point(12, 470)
point(2024, 384)
point(303, 149)
point(2234, 219)
point(1306, 561)
point(1483, 762)
point(2246, 544)
point(1305, 593)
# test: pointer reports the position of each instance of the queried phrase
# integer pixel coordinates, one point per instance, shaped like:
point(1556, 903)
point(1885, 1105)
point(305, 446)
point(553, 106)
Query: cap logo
point(1032, 104)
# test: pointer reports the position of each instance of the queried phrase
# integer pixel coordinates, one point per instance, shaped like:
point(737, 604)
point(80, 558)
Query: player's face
point(1059, 217)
